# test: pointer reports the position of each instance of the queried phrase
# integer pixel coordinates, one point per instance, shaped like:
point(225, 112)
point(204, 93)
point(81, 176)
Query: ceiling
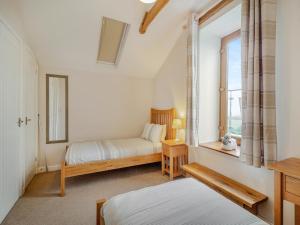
point(65, 33)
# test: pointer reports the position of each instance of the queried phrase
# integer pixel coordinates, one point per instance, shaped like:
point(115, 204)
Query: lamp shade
point(148, 1)
point(177, 124)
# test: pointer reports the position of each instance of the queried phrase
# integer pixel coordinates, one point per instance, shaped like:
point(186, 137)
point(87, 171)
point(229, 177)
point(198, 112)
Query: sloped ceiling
point(65, 33)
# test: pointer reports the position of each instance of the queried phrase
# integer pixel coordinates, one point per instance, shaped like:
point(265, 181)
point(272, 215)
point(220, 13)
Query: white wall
point(209, 61)
point(170, 82)
point(10, 13)
point(288, 79)
point(288, 110)
point(100, 106)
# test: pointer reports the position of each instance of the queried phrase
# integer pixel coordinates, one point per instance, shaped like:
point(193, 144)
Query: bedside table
point(174, 155)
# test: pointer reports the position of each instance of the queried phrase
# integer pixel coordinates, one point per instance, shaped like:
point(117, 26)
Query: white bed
point(185, 201)
point(98, 156)
point(91, 151)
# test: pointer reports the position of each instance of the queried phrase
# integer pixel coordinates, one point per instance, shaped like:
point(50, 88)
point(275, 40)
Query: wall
point(288, 79)
point(100, 107)
point(288, 123)
point(170, 82)
point(209, 57)
point(10, 13)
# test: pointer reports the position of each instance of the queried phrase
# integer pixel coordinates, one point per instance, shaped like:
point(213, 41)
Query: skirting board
point(42, 169)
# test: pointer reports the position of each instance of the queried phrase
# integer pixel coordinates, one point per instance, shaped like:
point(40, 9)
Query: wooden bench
point(237, 192)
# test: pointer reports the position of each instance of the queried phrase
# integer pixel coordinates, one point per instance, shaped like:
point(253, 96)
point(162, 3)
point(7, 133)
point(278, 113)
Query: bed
point(185, 201)
point(97, 156)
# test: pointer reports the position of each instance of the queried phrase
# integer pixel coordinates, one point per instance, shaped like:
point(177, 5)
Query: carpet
point(41, 204)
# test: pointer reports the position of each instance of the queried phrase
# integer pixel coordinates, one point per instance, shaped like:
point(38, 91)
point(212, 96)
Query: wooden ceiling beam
point(214, 10)
point(151, 14)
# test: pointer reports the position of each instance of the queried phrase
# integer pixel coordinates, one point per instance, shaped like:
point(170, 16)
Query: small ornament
point(229, 143)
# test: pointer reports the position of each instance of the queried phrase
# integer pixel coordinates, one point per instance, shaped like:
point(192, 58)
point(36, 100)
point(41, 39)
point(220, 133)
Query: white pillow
point(156, 133)
point(164, 132)
point(146, 131)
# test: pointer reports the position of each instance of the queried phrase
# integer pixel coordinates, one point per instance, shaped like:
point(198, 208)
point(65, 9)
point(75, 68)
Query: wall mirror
point(56, 109)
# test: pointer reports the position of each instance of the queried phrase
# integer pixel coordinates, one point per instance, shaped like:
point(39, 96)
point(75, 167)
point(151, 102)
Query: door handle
point(27, 120)
point(20, 121)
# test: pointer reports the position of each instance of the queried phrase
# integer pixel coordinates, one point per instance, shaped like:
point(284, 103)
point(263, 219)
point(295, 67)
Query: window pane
point(234, 86)
point(234, 112)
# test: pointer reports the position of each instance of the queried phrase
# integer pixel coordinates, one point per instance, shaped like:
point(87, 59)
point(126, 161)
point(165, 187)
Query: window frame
point(223, 84)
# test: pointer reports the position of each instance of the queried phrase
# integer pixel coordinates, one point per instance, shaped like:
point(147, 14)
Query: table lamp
point(177, 124)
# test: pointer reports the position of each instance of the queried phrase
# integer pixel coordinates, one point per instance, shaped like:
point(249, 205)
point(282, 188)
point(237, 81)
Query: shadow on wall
point(170, 82)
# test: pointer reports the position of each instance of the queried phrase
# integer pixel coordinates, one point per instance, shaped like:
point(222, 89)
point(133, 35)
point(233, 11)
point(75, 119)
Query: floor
point(41, 204)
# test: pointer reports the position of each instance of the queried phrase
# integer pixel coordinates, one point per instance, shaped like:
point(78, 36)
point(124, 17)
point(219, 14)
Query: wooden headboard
point(165, 117)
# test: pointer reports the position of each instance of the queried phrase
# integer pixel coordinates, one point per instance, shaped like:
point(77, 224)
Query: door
point(10, 76)
point(29, 115)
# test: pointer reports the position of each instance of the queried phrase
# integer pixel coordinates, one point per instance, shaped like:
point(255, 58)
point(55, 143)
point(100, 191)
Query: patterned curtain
point(192, 114)
point(258, 82)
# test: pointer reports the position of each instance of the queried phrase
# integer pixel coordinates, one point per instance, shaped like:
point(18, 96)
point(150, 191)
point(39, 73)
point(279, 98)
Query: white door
point(10, 76)
point(29, 115)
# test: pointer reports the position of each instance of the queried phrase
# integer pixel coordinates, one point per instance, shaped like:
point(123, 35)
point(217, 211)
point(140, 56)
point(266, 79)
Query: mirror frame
point(48, 76)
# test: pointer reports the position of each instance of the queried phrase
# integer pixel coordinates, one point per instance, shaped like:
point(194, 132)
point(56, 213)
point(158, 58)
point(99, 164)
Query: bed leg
point(99, 219)
point(62, 179)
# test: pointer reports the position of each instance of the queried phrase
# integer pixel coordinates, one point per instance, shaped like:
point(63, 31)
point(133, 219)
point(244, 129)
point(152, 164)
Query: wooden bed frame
point(99, 217)
point(157, 117)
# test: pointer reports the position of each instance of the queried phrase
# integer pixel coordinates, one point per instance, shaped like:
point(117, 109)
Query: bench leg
point(297, 214)
point(253, 210)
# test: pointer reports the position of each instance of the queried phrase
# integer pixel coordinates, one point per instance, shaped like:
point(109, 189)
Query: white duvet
point(83, 152)
point(181, 202)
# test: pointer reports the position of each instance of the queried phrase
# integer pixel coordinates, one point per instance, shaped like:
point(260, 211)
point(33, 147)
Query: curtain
point(258, 82)
point(192, 114)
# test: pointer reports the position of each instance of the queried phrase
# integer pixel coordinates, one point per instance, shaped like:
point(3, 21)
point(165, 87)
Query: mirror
point(56, 109)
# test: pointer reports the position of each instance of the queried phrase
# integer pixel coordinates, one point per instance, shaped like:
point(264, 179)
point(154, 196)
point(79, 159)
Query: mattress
point(185, 201)
point(90, 151)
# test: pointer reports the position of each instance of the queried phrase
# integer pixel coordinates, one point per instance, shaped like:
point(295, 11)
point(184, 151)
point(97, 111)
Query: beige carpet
point(41, 204)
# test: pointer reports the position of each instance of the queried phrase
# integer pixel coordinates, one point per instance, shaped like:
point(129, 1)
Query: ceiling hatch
point(112, 38)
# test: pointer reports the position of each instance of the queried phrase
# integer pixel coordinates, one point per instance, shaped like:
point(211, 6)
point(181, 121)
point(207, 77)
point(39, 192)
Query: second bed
point(181, 202)
point(96, 156)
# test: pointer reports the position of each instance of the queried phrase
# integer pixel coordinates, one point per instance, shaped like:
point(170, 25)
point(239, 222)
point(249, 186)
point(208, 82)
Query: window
point(112, 39)
point(231, 86)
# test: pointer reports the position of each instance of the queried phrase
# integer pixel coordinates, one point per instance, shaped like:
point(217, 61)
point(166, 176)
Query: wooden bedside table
point(174, 154)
